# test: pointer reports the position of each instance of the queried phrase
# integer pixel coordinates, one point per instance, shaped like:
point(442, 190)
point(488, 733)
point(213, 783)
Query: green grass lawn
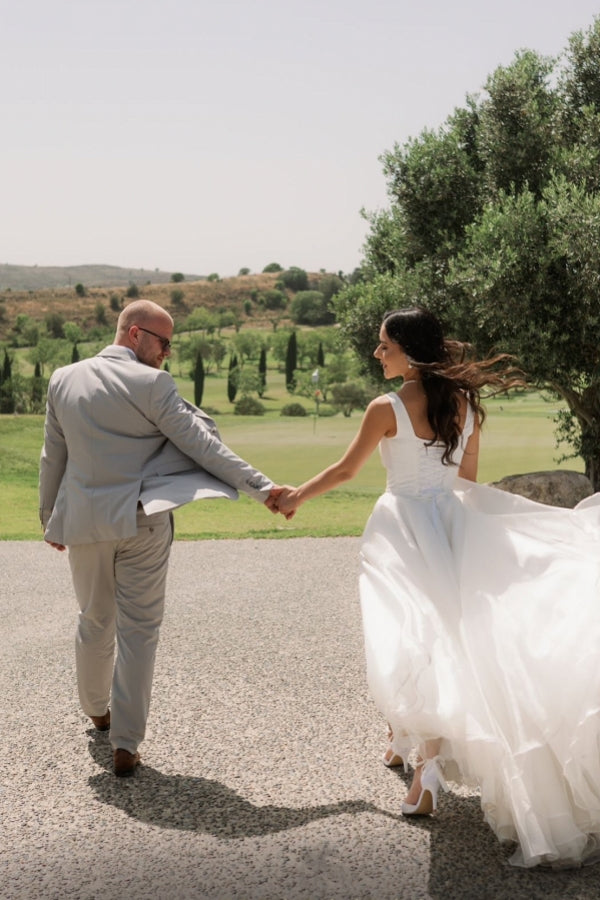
point(518, 437)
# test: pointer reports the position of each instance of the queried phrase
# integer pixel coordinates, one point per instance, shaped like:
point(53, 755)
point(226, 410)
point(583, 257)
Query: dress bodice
point(414, 468)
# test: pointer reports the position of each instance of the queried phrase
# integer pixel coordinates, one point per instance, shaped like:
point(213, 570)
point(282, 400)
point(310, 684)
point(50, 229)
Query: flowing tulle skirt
point(481, 615)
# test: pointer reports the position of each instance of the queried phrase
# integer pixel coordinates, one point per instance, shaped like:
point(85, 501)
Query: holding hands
point(283, 499)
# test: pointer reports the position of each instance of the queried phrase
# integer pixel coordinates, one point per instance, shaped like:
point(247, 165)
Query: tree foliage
point(213, 351)
point(202, 319)
point(248, 345)
point(311, 308)
point(494, 223)
point(349, 396)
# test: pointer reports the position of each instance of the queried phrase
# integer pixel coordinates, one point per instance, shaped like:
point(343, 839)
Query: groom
point(121, 449)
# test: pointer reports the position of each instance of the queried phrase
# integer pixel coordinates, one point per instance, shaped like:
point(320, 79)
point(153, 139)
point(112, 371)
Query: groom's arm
point(198, 440)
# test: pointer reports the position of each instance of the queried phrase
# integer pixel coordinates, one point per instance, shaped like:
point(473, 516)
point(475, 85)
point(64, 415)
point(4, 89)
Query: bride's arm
point(468, 466)
point(379, 420)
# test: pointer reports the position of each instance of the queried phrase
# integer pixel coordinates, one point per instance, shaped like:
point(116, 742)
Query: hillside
point(35, 278)
point(227, 294)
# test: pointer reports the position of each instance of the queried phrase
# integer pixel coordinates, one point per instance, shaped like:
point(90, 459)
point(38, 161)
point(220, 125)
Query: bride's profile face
point(392, 357)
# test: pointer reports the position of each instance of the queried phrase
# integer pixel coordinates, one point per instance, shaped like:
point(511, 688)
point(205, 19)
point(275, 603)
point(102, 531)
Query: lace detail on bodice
point(413, 468)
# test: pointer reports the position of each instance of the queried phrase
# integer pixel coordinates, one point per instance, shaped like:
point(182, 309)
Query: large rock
point(561, 487)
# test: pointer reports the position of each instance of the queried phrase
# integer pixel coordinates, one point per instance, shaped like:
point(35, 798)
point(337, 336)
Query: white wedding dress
point(481, 614)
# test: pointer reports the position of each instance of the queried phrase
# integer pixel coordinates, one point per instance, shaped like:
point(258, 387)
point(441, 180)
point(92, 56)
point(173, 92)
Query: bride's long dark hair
point(448, 372)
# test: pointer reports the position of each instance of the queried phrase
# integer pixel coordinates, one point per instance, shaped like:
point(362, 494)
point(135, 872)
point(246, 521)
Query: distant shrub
point(100, 313)
point(115, 302)
point(244, 271)
point(213, 277)
point(273, 267)
point(177, 276)
point(293, 409)
point(54, 325)
point(132, 291)
point(274, 299)
point(295, 279)
point(249, 406)
point(177, 297)
point(326, 411)
point(80, 289)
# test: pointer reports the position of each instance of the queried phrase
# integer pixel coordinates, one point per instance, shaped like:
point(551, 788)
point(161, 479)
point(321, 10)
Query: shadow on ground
point(201, 804)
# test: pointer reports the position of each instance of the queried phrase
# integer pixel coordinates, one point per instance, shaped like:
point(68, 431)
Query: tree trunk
point(590, 451)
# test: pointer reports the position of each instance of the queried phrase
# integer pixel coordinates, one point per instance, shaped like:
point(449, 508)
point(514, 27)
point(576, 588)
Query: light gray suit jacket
point(118, 432)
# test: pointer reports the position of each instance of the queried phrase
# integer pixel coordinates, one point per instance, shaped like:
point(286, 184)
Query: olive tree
point(494, 224)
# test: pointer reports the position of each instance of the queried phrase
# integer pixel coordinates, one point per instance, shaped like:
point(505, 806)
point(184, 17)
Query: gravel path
point(261, 773)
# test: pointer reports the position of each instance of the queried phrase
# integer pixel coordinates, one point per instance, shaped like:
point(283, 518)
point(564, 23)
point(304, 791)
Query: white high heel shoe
point(431, 780)
point(395, 758)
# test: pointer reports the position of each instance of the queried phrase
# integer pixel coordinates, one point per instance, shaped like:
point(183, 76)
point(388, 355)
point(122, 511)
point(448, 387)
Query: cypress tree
point(36, 387)
point(232, 378)
point(7, 399)
point(262, 371)
point(320, 355)
point(198, 379)
point(7, 367)
point(75, 354)
point(291, 362)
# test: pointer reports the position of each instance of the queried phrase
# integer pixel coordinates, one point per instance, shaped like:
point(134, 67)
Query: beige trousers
point(120, 588)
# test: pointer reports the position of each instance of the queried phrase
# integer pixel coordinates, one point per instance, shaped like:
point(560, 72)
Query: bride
point(480, 608)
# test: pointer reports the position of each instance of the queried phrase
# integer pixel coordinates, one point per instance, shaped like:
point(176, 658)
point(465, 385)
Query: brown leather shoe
point(102, 723)
point(125, 762)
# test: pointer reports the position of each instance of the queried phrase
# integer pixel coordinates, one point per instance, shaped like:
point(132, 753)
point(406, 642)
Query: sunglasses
point(166, 343)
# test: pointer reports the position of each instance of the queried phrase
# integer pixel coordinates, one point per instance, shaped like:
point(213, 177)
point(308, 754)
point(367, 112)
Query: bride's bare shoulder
point(380, 410)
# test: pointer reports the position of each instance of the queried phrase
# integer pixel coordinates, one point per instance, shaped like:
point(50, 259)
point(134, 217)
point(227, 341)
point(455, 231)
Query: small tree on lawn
point(37, 389)
point(349, 396)
point(262, 371)
point(291, 362)
point(198, 378)
point(232, 378)
point(7, 399)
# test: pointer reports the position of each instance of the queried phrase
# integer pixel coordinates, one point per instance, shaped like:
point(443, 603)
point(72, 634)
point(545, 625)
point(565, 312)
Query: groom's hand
point(271, 501)
point(286, 501)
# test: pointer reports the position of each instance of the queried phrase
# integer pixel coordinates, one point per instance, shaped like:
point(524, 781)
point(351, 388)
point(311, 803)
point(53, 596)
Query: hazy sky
point(206, 135)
